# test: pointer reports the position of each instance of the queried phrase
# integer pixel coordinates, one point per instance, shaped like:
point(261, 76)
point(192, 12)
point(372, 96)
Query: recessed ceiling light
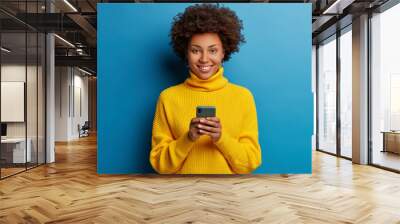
point(5, 50)
point(64, 40)
point(337, 7)
point(71, 6)
point(84, 71)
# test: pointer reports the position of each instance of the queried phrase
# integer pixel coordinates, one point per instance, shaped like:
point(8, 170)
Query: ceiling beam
point(83, 61)
point(86, 26)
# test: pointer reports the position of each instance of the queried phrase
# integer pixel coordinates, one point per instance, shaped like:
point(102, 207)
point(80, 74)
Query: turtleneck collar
point(215, 82)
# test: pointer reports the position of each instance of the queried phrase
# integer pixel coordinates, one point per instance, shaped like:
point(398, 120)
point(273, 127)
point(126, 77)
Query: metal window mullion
point(369, 90)
point(45, 96)
point(45, 88)
point(338, 98)
point(317, 96)
point(37, 91)
point(26, 86)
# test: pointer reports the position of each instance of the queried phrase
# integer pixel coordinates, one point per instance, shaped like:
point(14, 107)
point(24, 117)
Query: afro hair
point(206, 18)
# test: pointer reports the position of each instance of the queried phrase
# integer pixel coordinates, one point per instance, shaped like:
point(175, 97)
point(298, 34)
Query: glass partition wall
point(22, 88)
point(334, 86)
point(345, 62)
point(327, 95)
point(385, 89)
point(334, 102)
point(13, 89)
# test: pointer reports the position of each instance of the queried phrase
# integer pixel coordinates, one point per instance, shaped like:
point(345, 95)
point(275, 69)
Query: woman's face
point(205, 54)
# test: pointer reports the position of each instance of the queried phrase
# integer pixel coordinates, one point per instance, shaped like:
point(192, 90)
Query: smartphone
point(205, 111)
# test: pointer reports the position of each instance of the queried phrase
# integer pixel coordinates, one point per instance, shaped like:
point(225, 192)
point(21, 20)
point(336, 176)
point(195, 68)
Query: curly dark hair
point(207, 18)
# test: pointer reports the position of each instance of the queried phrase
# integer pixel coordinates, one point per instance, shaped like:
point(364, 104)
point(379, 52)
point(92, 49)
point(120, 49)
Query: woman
point(204, 36)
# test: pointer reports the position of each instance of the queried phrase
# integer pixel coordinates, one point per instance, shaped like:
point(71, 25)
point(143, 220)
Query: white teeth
point(204, 68)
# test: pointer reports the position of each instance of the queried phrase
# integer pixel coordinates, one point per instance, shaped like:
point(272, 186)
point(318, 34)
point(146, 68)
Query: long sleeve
point(243, 154)
point(167, 154)
point(237, 150)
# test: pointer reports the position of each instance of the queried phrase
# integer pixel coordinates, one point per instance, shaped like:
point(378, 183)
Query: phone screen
point(205, 111)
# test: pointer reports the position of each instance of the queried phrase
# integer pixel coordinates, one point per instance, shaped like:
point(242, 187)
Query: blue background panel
point(136, 62)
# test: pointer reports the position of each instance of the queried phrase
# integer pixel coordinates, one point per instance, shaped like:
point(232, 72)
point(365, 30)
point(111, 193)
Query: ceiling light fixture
point(337, 7)
point(65, 41)
point(84, 71)
point(79, 51)
point(70, 5)
point(331, 7)
point(5, 50)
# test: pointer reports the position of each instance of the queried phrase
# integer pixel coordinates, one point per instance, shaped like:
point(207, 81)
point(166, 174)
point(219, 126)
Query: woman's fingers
point(214, 136)
point(212, 121)
point(216, 119)
point(195, 120)
point(204, 132)
point(209, 128)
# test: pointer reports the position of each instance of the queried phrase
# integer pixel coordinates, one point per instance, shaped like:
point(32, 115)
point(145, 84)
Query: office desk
point(13, 150)
point(391, 141)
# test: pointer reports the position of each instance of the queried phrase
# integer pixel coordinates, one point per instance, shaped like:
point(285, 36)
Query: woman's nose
point(204, 58)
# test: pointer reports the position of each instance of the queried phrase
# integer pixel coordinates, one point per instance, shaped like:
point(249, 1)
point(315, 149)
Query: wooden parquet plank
point(70, 191)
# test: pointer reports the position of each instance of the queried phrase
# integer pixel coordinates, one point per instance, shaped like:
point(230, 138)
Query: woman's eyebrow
point(195, 45)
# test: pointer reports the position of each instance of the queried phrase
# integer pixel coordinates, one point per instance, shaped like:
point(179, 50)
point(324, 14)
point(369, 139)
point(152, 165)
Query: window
point(346, 92)
point(327, 95)
point(22, 65)
point(385, 88)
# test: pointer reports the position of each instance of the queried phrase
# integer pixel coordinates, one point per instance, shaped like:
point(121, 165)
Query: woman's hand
point(205, 126)
point(193, 130)
point(210, 126)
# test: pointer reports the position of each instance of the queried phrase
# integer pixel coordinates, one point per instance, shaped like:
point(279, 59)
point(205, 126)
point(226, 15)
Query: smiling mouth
point(204, 68)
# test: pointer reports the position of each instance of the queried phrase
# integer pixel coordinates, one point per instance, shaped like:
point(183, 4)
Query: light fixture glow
point(64, 40)
point(86, 72)
point(338, 6)
point(71, 6)
point(331, 7)
point(5, 50)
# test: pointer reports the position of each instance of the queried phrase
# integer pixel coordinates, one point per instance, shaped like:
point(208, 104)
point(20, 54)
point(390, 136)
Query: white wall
point(71, 102)
point(15, 72)
point(62, 81)
point(10, 73)
point(79, 110)
point(33, 127)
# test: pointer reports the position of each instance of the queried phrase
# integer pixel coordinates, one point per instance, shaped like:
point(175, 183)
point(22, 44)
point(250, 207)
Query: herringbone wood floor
point(70, 191)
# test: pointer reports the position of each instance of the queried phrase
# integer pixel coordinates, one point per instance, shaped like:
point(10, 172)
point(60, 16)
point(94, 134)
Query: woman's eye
point(195, 51)
point(213, 51)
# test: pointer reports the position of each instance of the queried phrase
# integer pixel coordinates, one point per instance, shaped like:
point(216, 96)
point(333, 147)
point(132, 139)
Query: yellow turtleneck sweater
point(237, 150)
